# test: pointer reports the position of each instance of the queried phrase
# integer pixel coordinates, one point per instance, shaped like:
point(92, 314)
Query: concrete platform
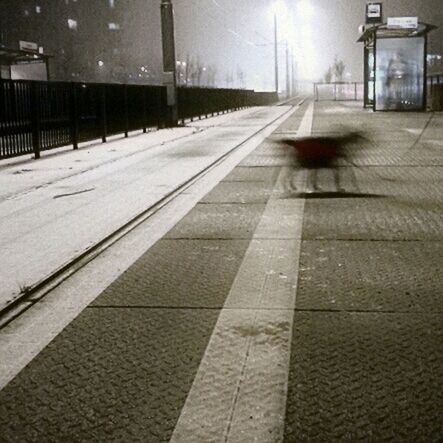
point(252, 309)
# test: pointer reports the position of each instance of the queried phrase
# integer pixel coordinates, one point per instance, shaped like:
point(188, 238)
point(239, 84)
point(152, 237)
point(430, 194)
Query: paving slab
point(195, 341)
point(239, 192)
point(179, 273)
point(218, 221)
point(370, 276)
point(51, 214)
point(112, 374)
point(371, 219)
point(259, 174)
point(365, 377)
point(366, 355)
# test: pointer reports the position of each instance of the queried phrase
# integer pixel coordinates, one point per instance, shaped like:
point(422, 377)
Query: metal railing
point(37, 116)
point(434, 90)
point(434, 79)
point(338, 91)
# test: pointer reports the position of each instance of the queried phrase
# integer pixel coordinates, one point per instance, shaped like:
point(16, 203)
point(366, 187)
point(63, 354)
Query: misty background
point(219, 43)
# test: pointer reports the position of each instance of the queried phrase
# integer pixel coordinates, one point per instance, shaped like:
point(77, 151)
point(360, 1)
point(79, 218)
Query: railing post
point(162, 106)
point(74, 115)
point(125, 95)
point(355, 91)
point(145, 111)
point(103, 112)
point(201, 104)
point(35, 121)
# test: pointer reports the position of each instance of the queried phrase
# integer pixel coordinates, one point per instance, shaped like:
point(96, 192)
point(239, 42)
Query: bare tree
point(212, 75)
point(339, 69)
point(240, 77)
point(328, 75)
point(187, 72)
point(199, 71)
point(229, 78)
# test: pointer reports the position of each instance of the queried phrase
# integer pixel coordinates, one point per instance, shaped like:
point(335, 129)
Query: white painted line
point(240, 389)
point(305, 128)
point(28, 335)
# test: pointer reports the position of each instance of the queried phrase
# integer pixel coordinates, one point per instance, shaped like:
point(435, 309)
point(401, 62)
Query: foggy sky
point(235, 37)
point(232, 33)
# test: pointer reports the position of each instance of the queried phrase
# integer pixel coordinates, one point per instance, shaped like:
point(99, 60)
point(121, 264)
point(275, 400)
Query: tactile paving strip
point(365, 377)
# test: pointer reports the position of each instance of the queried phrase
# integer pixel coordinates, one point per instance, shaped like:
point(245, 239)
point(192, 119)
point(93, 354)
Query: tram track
point(33, 294)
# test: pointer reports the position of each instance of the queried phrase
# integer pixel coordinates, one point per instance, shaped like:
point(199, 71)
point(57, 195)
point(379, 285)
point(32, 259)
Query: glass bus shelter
point(16, 64)
point(395, 67)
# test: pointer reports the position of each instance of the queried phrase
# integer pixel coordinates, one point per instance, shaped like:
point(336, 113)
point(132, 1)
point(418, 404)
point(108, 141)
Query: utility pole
point(288, 84)
point(293, 72)
point(169, 63)
point(276, 53)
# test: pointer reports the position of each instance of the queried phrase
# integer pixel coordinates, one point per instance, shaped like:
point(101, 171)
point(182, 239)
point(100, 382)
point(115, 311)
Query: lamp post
point(169, 66)
point(288, 85)
point(275, 52)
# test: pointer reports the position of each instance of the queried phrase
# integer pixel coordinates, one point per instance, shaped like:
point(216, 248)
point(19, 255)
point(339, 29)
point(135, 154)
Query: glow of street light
point(278, 8)
point(100, 63)
point(305, 9)
point(307, 56)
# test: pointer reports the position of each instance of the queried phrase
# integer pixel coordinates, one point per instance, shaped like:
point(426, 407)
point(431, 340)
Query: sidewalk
point(248, 309)
point(55, 208)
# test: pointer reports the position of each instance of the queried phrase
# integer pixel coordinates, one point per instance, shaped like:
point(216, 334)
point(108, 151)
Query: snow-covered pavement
point(53, 209)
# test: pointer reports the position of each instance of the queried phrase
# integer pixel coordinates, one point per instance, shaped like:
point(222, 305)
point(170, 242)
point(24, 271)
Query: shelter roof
point(382, 31)
point(12, 56)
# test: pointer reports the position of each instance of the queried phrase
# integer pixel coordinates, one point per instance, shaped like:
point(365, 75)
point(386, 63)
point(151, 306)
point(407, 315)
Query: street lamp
point(277, 9)
point(275, 53)
point(306, 19)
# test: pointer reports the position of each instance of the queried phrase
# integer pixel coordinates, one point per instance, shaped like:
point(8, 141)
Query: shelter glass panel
point(400, 74)
point(369, 72)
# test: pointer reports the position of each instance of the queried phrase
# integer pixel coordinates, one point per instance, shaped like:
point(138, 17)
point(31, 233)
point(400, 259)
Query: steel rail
point(39, 290)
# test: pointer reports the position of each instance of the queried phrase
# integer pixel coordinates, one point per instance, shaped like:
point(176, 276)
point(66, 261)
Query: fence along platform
point(338, 91)
point(37, 116)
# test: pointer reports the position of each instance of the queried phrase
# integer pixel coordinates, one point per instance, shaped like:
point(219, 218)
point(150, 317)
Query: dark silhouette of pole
point(169, 62)
point(288, 84)
point(276, 53)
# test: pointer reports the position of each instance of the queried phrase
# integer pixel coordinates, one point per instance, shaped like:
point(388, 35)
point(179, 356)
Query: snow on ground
point(55, 208)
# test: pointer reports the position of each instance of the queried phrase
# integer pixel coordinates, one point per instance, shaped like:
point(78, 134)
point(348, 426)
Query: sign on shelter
point(402, 22)
point(28, 46)
point(374, 13)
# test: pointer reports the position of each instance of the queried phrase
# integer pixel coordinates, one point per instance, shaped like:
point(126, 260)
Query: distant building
point(89, 40)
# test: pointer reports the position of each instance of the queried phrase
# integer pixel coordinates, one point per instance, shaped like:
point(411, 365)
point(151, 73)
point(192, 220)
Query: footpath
point(54, 209)
point(248, 308)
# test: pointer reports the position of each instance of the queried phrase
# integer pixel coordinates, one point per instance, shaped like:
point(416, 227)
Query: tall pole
point(288, 85)
point(276, 53)
point(169, 63)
